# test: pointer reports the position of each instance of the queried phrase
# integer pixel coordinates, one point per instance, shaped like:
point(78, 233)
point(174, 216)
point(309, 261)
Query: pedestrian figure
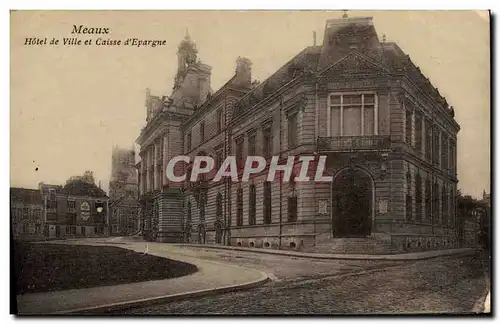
point(147, 250)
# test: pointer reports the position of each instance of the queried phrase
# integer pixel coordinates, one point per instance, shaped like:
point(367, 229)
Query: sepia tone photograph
point(187, 163)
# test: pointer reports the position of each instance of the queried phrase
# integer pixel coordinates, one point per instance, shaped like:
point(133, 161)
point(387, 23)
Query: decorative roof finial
point(384, 38)
point(345, 14)
point(187, 34)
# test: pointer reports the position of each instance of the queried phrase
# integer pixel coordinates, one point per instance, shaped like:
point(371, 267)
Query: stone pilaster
point(165, 159)
point(155, 163)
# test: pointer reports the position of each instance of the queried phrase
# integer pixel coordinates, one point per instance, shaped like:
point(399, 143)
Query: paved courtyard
point(281, 267)
point(298, 285)
point(441, 285)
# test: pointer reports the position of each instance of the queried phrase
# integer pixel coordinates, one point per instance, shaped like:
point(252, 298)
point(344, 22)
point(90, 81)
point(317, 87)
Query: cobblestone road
point(449, 285)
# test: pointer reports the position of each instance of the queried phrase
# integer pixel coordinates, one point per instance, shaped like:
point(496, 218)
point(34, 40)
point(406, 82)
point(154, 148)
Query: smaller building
point(26, 210)
point(78, 209)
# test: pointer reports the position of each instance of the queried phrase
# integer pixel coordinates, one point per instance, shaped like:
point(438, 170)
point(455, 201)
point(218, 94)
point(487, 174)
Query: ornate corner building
point(390, 139)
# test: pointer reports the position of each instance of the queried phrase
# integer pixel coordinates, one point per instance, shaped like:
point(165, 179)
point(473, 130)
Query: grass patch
point(53, 267)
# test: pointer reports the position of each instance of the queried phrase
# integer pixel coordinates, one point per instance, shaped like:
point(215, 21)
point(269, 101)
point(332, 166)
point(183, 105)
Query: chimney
point(243, 72)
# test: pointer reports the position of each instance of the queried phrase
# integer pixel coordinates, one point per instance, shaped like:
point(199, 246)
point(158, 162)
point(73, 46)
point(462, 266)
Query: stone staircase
point(352, 245)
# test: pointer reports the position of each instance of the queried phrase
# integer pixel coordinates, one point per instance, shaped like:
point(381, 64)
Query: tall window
point(435, 203)
point(435, 154)
point(267, 142)
point(239, 207)
point(251, 205)
point(239, 151)
point(453, 153)
point(418, 131)
point(202, 131)
point(292, 208)
point(220, 120)
point(267, 202)
point(218, 212)
point(444, 151)
point(428, 200)
point(418, 197)
point(352, 115)
point(251, 144)
point(409, 198)
point(292, 130)
point(428, 139)
point(218, 158)
point(444, 206)
point(188, 141)
point(408, 126)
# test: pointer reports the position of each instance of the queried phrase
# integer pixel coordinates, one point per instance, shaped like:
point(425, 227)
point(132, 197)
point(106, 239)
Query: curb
point(162, 299)
point(168, 298)
point(375, 257)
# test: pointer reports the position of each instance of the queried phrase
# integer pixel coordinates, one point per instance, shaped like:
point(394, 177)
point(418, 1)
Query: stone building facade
point(123, 193)
point(389, 139)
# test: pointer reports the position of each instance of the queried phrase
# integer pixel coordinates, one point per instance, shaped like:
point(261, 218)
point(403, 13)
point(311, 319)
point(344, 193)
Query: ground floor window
point(252, 206)
point(292, 208)
point(267, 202)
point(239, 206)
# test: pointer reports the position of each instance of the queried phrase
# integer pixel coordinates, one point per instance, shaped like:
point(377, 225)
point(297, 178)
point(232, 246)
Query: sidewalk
point(392, 257)
point(211, 277)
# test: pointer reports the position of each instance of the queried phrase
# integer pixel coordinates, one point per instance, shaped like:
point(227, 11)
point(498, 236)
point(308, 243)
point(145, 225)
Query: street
point(308, 286)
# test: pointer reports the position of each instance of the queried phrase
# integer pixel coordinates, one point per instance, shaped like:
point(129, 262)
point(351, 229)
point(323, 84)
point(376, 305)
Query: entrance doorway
point(352, 200)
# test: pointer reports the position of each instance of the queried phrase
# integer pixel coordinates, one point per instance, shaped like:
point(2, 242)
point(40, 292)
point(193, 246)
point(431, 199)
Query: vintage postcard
point(250, 162)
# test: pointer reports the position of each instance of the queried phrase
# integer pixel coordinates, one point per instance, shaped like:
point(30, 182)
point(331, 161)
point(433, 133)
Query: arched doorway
point(352, 203)
point(218, 232)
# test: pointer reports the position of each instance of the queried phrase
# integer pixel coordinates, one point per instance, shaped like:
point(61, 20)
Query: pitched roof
point(306, 60)
point(79, 187)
